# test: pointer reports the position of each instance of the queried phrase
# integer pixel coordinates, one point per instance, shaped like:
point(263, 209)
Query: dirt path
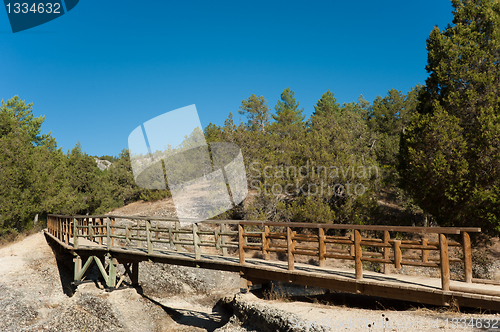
point(35, 295)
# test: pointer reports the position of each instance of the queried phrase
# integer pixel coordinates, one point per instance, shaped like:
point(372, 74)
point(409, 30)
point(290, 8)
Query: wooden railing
point(229, 237)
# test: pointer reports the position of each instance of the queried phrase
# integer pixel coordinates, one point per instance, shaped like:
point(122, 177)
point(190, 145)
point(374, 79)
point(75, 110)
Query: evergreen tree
point(327, 104)
point(20, 114)
point(450, 153)
point(29, 167)
point(287, 110)
point(387, 119)
point(257, 112)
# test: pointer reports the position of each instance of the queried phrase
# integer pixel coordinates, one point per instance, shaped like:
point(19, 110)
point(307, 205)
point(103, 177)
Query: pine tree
point(327, 104)
point(287, 109)
point(257, 112)
point(450, 153)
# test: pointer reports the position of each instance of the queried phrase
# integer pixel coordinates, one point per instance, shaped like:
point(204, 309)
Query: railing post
point(425, 252)
point(91, 237)
point(196, 242)
point(170, 236)
point(351, 248)
point(357, 255)
point(265, 243)
point(387, 250)
point(322, 247)
point(445, 267)
point(241, 244)
point(290, 248)
point(104, 230)
point(223, 239)
point(138, 233)
point(100, 230)
point(467, 256)
point(112, 232)
point(108, 234)
point(177, 235)
point(75, 233)
point(217, 238)
point(66, 230)
point(148, 237)
point(397, 254)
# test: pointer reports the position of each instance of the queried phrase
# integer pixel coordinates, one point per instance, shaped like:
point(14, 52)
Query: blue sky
point(106, 67)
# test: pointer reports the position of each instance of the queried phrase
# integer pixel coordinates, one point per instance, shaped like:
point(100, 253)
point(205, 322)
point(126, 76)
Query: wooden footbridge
point(298, 253)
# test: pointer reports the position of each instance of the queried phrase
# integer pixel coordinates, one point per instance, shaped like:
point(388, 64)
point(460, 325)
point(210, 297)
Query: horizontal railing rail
point(289, 239)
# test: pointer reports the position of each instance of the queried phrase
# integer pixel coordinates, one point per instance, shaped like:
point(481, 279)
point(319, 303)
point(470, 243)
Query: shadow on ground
point(65, 271)
point(193, 318)
point(292, 292)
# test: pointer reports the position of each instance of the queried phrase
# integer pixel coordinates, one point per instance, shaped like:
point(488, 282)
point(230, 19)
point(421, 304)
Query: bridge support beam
point(111, 282)
point(251, 283)
point(78, 267)
point(109, 276)
point(135, 274)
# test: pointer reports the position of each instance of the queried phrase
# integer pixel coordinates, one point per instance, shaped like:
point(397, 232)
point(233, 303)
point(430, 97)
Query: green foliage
point(306, 209)
point(327, 104)
point(28, 167)
point(450, 153)
point(322, 170)
point(257, 112)
point(387, 119)
point(38, 178)
point(287, 110)
point(16, 112)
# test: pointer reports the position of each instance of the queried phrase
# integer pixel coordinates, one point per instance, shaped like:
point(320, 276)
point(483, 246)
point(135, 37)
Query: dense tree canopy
point(38, 178)
point(435, 149)
point(450, 158)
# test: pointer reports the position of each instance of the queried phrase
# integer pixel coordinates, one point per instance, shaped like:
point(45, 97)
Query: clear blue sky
point(106, 67)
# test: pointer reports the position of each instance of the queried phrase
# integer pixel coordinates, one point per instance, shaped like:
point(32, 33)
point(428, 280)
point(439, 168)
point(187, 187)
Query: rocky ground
point(36, 295)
